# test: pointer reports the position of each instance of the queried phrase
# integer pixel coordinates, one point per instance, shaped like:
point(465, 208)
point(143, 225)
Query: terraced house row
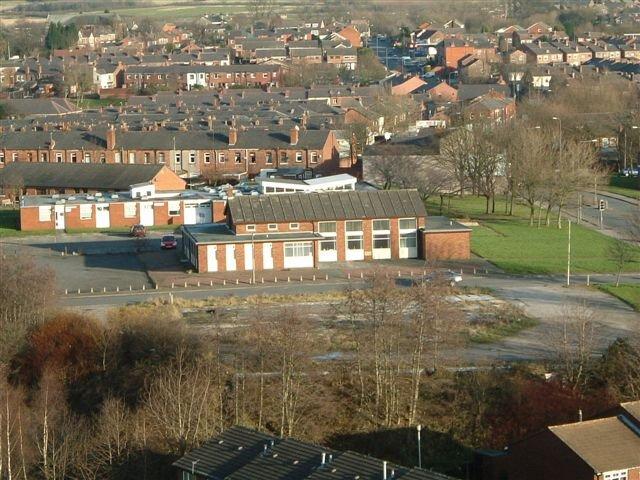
point(233, 153)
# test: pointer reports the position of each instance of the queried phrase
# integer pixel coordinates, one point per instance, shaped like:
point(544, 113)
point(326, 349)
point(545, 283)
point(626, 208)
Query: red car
point(168, 241)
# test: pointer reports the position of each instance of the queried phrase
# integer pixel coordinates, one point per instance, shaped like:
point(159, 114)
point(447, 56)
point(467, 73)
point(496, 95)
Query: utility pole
point(579, 208)
point(253, 259)
point(569, 256)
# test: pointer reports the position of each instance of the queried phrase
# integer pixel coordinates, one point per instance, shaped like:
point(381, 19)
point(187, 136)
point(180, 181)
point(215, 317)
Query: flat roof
point(213, 233)
point(437, 223)
point(113, 197)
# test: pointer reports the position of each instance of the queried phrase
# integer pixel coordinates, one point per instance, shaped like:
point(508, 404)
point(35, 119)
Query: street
point(616, 217)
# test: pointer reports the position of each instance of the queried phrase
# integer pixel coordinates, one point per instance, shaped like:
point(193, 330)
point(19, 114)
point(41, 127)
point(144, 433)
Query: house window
point(174, 208)
point(146, 157)
point(269, 158)
point(74, 157)
point(238, 157)
point(132, 157)
point(272, 227)
point(252, 157)
point(616, 475)
point(103, 158)
point(298, 157)
point(294, 226)
point(381, 234)
point(43, 157)
point(1, 157)
point(314, 157)
point(284, 158)
point(407, 224)
point(118, 157)
point(250, 228)
point(327, 229)
point(160, 157)
point(354, 234)
point(86, 211)
point(207, 158)
point(44, 214)
point(192, 157)
point(222, 158)
point(87, 157)
point(59, 157)
point(298, 249)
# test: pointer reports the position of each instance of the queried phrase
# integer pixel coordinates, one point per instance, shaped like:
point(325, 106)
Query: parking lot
point(97, 260)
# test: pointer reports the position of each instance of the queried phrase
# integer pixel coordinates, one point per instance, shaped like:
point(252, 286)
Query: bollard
point(211, 283)
point(237, 281)
point(300, 278)
point(474, 270)
point(185, 284)
point(486, 271)
point(78, 291)
point(130, 288)
point(314, 278)
point(288, 279)
point(588, 280)
point(398, 273)
point(144, 287)
point(66, 292)
point(117, 288)
point(348, 275)
point(224, 282)
point(275, 280)
point(411, 273)
point(460, 271)
point(424, 273)
point(262, 280)
point(91, 289)
point(326, 277)
point(156, 286)
point(198, 283)
point(173, 285)
point(104, 290)
point(362, 274)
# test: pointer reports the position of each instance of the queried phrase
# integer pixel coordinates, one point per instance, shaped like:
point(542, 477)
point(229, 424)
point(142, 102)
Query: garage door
point(298, 255)
point(204, 213)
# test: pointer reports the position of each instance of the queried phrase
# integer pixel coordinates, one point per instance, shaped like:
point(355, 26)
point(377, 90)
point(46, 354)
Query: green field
point(627, 293)
point(627, 186)
point(512, 245)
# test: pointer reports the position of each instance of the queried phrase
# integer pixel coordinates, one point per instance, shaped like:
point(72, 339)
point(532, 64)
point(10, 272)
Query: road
point(616, 216)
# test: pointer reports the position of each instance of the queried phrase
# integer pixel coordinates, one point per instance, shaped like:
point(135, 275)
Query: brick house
point(186, 77)
point(452, 50)
point(351, 34)
point(573, 53)
point(234, 153)
point(601, 449)
point(303, 230)
point(346, 57)
point(541, 53)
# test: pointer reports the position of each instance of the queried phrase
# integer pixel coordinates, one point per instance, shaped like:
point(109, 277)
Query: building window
point(132, 157)
point(174, 208)
point(354, 234)
point(130, 210)
point(1, 157)
point(314, 157)
point(207, 158)
point(294, 226)
point(86, 211)
point(272, 227)
point(59, 157)
point(252, 157)
point(284, 158)
point(222, 158)
point(298, 157)
point(238, 157)
point(87, 157)
point(269, 158)
point(160, 157)
point(118, 157)
point(103, 158)
point(74, 157)
point(381, 234)
point(178, 157)
point(146, 157)
point(327, 229)
point(192, 157)
point(298, 249)
point(250, 228)
point(407, 223)
point(44, 214)
point(616, 475)
point(43, 157)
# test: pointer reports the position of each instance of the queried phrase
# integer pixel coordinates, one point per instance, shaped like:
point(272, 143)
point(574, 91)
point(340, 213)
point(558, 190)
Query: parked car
point(168, 242)
point(138, 231)
point(437, 276)
point(630, 172)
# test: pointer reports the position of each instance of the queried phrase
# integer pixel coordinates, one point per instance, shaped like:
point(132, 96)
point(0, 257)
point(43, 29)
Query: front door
point(190, 215)
point(248, 256)
point(267, 256)
point(212, 258)
point(59, 217)
point(146, 213)
point(102, 216)
point(231, 258)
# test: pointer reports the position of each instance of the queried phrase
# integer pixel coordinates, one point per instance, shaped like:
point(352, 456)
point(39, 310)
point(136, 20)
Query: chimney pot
point(111, 138)
point(233, 136)
point(295, 134)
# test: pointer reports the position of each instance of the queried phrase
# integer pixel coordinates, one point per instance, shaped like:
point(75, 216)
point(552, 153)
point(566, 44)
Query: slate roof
point(320, 206)
point(605, 444)
point(471, 91)
point(100, 176)
point(241, 453)
point(40, 106)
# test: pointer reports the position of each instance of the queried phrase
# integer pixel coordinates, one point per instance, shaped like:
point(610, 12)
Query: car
point(168, 242)
point(437, 276)
point(138, 231)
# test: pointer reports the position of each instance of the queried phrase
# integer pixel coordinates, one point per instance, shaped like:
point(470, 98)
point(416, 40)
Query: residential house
point(539, 28)
point(342, 57)
point(351, 34)
point(604, 51)
point(452, 50)
point(605, 448)
point(471, 67)
point(541, 53)
point(515, 57)
point(492, 107)
point(573, 53)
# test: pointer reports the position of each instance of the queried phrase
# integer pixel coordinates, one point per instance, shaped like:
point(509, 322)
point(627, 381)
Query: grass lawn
point(100, 102)
point(627, 293)
point(627, 186)
point(511, 244)
point(499, 331)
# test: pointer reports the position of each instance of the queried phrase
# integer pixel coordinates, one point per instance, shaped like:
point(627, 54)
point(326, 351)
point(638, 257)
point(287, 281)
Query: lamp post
point(559, 120)
point(419, 427)
point(569, 256)
point(253, 259)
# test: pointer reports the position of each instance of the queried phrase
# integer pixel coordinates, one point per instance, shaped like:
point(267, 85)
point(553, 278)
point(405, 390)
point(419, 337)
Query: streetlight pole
point(569, 256)
point(559, 120)
point(419, 427)
point(253, 259)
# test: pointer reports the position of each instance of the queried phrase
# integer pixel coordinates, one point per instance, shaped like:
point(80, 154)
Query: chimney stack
point(233, 136)
point(210, 122)
point(111, 138)
point(295, 134)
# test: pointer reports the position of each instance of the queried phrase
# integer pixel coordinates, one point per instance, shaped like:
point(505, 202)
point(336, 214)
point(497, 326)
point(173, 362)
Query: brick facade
point(447, 245)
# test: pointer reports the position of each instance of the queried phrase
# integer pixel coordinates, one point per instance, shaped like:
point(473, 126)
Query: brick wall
point(29, 220)
point(446, 245)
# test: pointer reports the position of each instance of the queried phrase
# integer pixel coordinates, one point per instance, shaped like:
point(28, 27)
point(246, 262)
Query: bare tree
point(621, 253)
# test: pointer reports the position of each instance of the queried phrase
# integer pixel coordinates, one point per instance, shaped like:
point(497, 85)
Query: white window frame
point(616, 475)
point(174, 208)
point(177, 157)
point(381, 234)
point(294, 226)
point(192, 158)
point(250, 228)
point(272, 227)
point(298, 157)
point(86, 211)
point(353, 236)
point(222, 158)
point(160, 157)
point(44, 213)
point(207, 158)
point(128, 207)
